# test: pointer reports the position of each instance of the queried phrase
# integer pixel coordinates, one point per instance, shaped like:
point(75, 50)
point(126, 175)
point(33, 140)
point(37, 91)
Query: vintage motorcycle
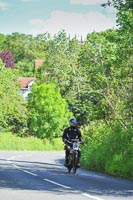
point(73, 157)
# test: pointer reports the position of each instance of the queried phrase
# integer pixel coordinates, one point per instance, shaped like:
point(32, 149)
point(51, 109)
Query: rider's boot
point(66, 162)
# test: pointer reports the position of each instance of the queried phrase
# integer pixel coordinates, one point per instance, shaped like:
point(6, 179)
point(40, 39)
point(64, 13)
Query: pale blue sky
point(39, 16)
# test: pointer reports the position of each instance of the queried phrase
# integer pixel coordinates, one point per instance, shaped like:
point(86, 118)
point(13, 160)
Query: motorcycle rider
point(72, 132)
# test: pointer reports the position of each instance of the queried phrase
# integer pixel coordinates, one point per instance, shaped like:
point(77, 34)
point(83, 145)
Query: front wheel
point(69, 163)
point(75, 162)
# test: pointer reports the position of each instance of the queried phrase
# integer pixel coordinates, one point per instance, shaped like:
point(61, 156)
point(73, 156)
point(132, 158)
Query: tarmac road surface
point(29, 175)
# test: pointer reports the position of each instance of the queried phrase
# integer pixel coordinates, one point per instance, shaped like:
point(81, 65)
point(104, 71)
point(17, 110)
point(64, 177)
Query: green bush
point(108, 149)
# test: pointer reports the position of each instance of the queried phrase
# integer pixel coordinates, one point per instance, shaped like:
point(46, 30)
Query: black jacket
point(71, 132)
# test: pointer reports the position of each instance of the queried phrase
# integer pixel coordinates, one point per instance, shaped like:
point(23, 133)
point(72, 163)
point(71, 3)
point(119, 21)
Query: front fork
point(72, 156)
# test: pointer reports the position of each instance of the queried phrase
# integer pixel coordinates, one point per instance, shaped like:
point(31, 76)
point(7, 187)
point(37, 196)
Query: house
point(25, 85)
point(38, 64)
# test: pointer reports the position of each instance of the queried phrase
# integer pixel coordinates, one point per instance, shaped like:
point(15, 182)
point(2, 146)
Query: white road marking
point(29, 172)
point(55, 183)
point(91, 196)
point(9, 160)
point(15, 166)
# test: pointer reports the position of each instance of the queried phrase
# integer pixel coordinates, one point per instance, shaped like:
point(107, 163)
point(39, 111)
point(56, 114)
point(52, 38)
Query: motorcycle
point(73, 157)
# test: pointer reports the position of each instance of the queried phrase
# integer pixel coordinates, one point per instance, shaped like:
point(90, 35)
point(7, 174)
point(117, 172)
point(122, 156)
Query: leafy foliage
point(48, 111)
point(12, 107)
point(109, 149)
point(7, 58)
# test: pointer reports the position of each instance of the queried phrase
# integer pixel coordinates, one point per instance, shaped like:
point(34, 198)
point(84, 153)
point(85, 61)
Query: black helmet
point(73, 121)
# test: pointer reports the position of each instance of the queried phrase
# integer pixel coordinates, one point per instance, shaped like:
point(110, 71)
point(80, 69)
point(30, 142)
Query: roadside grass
point(9, 141)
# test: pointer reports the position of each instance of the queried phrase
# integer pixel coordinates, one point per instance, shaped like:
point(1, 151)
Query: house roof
point(38, 63)
point(25, 81)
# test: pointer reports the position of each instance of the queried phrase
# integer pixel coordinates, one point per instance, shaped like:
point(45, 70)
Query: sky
point(76, 17)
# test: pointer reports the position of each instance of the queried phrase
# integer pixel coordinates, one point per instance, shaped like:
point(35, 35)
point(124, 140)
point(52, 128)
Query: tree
point(61, 66)
point(13, 111)
point(48, 111)
point(7, 58)
point(123, 70)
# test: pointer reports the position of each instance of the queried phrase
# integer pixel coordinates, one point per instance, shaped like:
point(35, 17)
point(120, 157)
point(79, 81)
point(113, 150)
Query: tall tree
point(125, 51)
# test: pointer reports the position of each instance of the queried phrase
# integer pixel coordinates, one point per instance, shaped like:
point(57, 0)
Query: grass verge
point(9, 141)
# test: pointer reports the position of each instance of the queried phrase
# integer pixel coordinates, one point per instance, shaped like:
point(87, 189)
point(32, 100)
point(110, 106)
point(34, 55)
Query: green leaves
point(109, 149)
point(12, 106)
point(48, 111)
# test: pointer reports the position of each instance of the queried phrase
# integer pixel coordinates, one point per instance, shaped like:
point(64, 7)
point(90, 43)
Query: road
point(26, 175)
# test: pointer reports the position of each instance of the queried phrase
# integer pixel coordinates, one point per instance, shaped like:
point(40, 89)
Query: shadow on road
point(13, 176)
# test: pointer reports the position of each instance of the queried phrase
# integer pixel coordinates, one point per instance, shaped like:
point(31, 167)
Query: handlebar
point(76, 140)
point(73, 140)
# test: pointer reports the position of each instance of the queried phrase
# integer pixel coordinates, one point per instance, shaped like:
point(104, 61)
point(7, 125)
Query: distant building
point(25, 85)
point(38, 64)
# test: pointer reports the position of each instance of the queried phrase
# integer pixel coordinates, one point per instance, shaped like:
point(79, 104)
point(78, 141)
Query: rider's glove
point(81, 142)
point(69, 142)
